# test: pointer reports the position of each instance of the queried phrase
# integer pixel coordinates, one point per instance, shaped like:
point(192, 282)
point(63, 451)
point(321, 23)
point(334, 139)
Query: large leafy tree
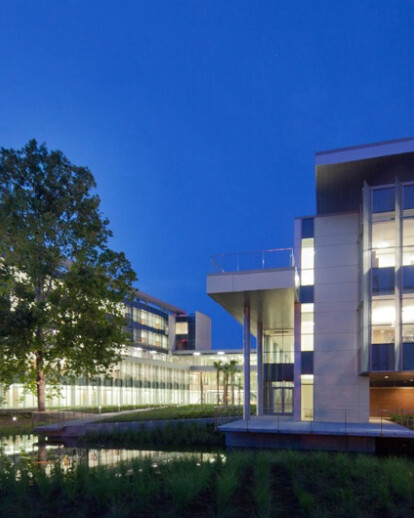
point(61, 286)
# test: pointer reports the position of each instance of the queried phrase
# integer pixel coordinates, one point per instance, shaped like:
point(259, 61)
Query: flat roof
point(341, 173)
point(365, 151)
point(140, 295)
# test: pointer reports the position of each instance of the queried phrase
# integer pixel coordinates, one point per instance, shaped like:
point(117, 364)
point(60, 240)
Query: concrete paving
point(79, 422)
point(286, 425)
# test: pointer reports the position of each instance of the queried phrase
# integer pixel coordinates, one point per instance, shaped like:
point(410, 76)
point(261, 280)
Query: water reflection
point(23, 448)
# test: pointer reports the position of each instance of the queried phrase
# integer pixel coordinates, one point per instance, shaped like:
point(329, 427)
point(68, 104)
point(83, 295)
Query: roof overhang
point(341, 173)
point(271, 295)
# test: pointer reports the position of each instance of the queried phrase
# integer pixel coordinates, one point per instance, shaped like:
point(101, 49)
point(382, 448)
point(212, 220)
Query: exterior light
point(221, 353)
point(197, 353)
point(386, 377)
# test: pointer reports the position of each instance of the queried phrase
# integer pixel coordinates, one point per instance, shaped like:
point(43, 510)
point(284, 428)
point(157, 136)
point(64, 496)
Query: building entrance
point(282, 400)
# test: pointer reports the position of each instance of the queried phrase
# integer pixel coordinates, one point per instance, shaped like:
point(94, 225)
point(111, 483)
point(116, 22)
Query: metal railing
point(256, 260)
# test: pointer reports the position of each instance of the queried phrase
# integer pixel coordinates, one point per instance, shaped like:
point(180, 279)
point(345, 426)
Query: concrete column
point(246, 355)
point(365, 358)
point(398, 275)
point(259, 350)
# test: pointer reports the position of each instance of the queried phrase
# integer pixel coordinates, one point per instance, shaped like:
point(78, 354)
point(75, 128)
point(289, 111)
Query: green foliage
point(406, 420)
point(228, 480)
point(296, 484)
point(172, 434)
point(177, 412)
point(61, 287)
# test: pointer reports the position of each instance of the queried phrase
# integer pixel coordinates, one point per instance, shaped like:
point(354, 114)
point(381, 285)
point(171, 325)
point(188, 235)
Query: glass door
point(282, 400)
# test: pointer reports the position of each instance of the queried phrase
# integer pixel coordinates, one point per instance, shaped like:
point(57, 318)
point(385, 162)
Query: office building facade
point(334, 319)
point(168, 361)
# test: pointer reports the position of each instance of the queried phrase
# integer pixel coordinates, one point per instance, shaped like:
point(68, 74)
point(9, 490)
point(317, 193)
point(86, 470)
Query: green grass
point(176, 412)
point(246, 484)
point(25, 421)
point(172, 435)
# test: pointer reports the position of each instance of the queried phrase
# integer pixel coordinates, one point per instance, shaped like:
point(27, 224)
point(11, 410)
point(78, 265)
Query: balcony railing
point(259, 260)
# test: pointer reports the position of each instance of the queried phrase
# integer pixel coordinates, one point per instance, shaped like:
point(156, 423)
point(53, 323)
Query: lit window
point(181, 328)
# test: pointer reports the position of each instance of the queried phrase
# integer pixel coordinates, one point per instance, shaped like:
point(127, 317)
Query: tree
point(232, 372)
point(61, 286)
point(226, 373)
point(218, 366)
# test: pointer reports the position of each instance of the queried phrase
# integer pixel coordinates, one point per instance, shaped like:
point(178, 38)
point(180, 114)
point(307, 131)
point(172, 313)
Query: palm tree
point(201, 388)
point(232, 367)
point(226, 373)
point(218, 366)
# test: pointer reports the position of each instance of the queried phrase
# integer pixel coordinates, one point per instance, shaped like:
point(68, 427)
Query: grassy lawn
point(175, 412)
point(247, 484)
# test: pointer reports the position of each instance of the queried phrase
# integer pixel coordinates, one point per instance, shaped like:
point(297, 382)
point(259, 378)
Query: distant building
point(169, 361)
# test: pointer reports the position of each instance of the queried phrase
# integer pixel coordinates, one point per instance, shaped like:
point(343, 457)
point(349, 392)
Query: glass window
point(383, 200)
point(383, 281)
point(307, 277)
point(408, 197)
point(307, 323)
point(408, 310)
point(383, 258)
point(383, 243)
point(383, 234)
point(383, 334)
point(382, 357)
point(408, 256)
point(306, 294)
point(307, 327)
point(307, 254)
point(408, 279)
point(307, 343)
point(181, 328)
point(408, 232)
point(383, 312)
point(307, 362)
point(408, 333)
point(408, 356)
point(307, 228)
point(307, 261)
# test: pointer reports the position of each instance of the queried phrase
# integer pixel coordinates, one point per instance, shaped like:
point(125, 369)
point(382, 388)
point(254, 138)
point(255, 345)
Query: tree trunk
point(40, 383)
point(226, 389)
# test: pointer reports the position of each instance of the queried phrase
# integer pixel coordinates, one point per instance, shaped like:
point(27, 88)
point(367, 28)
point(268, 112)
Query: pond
point(23, 448)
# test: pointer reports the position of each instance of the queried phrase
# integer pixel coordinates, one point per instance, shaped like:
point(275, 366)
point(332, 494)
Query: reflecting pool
point(31, 448)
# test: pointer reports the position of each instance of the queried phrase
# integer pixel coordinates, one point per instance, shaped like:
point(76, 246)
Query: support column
point(398, 275)
point(246, 355)
point(259, 350)
point(365, 357)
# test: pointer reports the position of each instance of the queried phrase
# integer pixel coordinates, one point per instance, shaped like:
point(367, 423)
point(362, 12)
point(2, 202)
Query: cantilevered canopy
point(271, 295)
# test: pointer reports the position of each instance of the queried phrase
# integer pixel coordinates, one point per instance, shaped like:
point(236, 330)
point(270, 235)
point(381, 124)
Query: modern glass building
point(168, 361)
point(334, 317)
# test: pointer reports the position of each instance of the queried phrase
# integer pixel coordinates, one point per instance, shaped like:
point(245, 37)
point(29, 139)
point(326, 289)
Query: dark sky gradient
point(200, 119)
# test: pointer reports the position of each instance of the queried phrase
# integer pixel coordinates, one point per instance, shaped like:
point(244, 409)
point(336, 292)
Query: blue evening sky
point(200, 118)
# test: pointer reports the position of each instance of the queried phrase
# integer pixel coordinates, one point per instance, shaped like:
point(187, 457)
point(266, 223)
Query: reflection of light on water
point(21, 448)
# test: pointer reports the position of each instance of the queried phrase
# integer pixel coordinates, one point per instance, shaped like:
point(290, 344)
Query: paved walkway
point(91, 418)
point(283, 424)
